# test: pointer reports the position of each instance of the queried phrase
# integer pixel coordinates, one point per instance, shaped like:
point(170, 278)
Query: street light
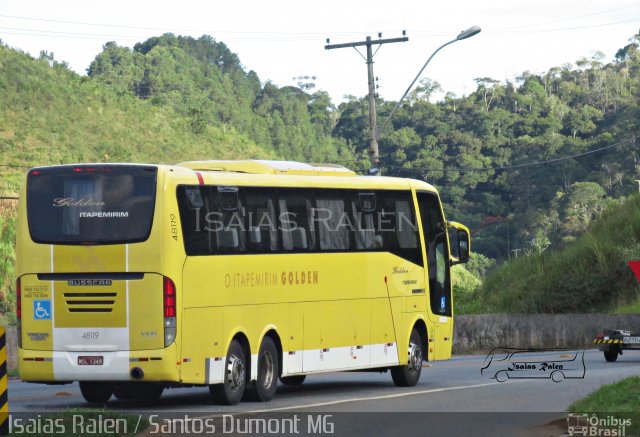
point(474, 30)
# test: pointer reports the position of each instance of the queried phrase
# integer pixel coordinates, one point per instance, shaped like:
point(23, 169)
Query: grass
point(7, 319)
point(633, 308)
point(620, 400)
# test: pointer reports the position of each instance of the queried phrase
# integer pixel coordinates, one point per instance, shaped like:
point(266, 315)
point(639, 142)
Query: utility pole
point(373, 124)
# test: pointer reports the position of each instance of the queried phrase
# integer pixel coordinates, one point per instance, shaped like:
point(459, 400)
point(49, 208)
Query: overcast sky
point(283, 39)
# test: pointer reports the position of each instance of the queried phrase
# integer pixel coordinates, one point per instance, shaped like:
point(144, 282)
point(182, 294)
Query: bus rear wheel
point(293, 380)
point(611, 355)
point(263, 389)
point(96, 392)
point(235, 377)
point(408, 375)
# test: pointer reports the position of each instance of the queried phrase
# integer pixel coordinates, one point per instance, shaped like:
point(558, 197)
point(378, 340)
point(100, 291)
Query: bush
point(7, 258)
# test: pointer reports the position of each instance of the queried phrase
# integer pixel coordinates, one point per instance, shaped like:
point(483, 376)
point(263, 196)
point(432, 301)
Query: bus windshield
point(91, 204)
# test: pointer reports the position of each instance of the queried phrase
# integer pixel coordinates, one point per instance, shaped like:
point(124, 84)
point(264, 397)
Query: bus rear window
point(88, 204)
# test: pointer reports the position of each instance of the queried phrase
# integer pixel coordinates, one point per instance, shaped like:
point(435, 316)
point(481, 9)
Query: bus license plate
point(631, 340)
point(93, 360)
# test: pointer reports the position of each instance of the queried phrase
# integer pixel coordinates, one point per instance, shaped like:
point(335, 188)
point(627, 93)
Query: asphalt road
point(452, 398)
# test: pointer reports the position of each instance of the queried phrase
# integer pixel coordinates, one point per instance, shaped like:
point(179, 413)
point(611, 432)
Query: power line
point(259, 36)
point(560, 29)
point(450, 169)
point(573, 18)
point(306, 35)
point(513, 166)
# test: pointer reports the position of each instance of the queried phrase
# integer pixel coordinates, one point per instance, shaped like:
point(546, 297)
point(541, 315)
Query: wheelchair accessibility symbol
point(42, 309)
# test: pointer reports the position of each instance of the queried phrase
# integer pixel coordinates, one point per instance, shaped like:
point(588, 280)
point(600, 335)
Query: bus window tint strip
point(298, 220)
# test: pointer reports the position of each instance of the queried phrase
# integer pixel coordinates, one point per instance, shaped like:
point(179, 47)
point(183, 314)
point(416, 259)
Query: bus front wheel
point(264, 388)
point(96, 392)
point(235, 377)
point(408, 374)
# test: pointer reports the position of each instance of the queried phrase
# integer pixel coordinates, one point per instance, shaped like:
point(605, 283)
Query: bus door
point(434, 232)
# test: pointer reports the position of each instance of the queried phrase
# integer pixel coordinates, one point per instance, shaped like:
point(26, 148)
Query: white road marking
point(372, 398)
point(342, 401)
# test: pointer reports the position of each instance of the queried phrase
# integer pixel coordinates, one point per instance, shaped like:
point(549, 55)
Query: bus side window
point(331, 217)
point(192, 216)
point(295, 221)
point(260, 221)
point(228, 232)
point(406, 228)
point(396, 225)
point(363, 210)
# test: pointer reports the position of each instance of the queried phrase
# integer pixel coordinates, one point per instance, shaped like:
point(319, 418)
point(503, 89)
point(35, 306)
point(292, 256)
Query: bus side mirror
point(463, 246)
point(460, 241)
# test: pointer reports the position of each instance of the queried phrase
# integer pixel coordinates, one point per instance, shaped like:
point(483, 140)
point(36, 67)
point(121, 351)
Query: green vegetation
point(174, 98)
point(7, 262)
point(633, 308)
point(613, 399)
point(620, 397)
point(589, 275)
point(465, 290)
point(466, 282)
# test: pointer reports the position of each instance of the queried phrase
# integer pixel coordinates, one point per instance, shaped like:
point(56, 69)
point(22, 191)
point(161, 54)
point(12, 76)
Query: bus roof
point(256, 166)
point(270, 173)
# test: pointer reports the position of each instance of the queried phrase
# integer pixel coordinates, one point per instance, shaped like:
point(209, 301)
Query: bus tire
point(293, 380)
point(408, 374)
point(611, 355)
point(557, 376)
point(122, 393)
point(235, 377)
point(96, 392)
point(263, 389)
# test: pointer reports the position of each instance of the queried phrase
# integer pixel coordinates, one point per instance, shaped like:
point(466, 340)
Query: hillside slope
point(51, 115)
point(588, 275)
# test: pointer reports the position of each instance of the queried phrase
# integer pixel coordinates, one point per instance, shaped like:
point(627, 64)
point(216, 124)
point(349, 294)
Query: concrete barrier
point(481, 333)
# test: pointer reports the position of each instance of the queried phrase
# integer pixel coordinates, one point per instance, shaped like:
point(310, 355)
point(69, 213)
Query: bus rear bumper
point(58, 366)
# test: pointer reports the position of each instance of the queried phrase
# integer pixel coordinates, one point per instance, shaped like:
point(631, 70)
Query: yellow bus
point(229, 274)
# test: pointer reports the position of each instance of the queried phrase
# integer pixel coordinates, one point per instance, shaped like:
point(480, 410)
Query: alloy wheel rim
point(415, 359)
point(235, 372)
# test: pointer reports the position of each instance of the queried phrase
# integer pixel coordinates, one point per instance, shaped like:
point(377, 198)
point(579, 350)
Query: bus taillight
point(18, 299)
point(169, 306)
